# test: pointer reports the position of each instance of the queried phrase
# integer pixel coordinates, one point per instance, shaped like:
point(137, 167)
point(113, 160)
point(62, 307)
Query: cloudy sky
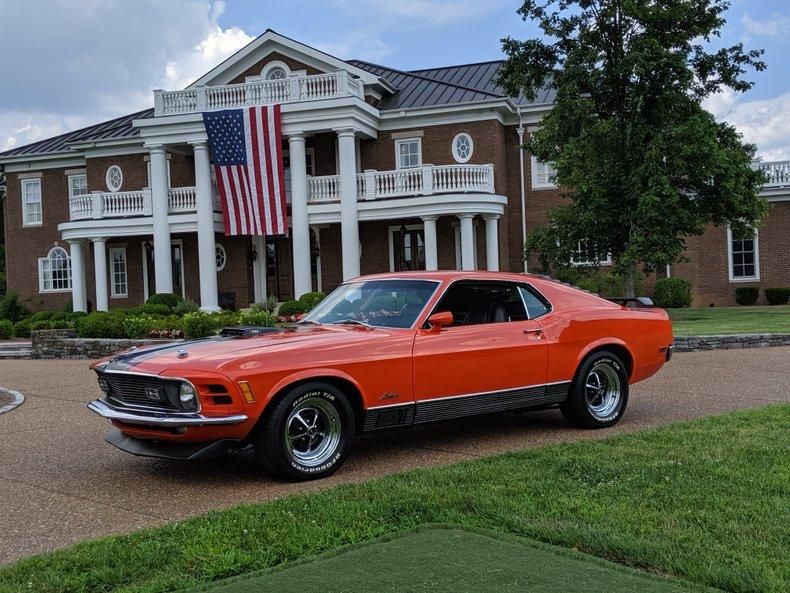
point(71, 63)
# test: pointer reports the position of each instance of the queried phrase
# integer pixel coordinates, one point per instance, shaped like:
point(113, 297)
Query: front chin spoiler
point(165, 450)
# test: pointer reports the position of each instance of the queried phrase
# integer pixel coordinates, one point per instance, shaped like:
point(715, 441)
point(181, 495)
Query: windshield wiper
point(351, 322)
point(308, 321)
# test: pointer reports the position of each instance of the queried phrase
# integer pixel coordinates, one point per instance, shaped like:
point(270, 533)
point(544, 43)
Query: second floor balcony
point(777, 172)
point(125, 204)
point(264, 92)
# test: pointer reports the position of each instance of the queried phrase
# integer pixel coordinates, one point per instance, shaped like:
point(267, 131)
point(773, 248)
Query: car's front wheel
point(308, 434)
point(599, 393)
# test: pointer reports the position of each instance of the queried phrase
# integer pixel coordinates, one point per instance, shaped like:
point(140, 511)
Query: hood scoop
point(242, 331)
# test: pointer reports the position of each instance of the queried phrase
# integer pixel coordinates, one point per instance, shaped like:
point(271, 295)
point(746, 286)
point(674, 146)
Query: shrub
point(63, 316)
point(6, 329)
point(168, 299)
point(69, 306)
point(290, 308)
point(60, 324)
point(41, 316)
point(270, 304)
point(22, 328)
point(258, 318)
point(100, 324)
point(155, 309)
point(310, 299)
point(777, 296)
point(39, 325)
point(200, 325)
point(672, 293)
point(137, 327)
point(184, 307)
point(12, 309)
point(747, 295)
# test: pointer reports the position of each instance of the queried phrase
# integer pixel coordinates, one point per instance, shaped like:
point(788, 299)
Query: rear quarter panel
point(580, 323)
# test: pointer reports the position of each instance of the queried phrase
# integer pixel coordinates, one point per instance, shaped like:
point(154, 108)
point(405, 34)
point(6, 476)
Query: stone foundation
point(729, 342)
point(64, 343)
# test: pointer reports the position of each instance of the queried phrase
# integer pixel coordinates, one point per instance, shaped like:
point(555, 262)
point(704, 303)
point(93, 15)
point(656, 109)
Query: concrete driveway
point(60, 482)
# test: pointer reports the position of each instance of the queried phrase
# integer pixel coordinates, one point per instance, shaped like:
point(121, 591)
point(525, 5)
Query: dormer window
point(276, 74)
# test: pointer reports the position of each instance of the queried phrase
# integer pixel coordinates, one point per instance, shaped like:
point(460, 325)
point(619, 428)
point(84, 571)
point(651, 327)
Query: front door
point(279, 268)
point(176, 257)
point(492, 351)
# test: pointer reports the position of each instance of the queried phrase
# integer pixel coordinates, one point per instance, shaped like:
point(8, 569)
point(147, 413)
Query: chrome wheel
point(312, 432)
point(602, 390)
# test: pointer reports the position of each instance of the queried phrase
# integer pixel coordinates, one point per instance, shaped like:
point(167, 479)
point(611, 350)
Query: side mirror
point(438, 320)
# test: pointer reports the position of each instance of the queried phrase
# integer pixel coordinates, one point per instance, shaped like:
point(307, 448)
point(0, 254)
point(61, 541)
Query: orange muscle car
point(382, 352)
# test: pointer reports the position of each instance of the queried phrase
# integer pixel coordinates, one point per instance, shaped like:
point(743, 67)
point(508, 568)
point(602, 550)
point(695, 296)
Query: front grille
point(138, 390)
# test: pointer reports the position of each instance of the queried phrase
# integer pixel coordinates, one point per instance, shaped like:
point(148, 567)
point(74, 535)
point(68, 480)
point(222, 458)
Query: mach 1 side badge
point(390, 395)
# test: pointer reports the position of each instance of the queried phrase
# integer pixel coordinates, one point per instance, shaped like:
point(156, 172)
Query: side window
point(408, 153)
point(31, 202)
point(473, 303)
point(536, 304)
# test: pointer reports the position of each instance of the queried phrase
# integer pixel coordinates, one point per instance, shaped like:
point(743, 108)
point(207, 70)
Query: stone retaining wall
point(63, 343)
point(728, 342)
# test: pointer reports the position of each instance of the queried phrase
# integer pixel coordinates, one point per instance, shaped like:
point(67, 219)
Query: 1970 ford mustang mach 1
point(382, 352)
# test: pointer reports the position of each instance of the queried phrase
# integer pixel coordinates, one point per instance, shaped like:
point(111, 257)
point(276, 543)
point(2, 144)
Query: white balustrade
point(182, 199)
point(420, 181)
point(125, 203)
point(263, 92)
point(777, 172)
point(324, 188)
point(81, 207)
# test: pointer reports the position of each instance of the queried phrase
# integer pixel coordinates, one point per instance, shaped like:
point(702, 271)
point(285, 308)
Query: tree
point(641, 163)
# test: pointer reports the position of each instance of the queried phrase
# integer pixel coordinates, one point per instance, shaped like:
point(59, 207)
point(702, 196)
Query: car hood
point(211, 354)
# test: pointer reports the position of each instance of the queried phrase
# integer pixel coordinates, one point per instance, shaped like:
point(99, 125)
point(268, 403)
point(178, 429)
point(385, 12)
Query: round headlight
point(186, 395)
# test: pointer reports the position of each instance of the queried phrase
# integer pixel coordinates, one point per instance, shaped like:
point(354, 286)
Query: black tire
point(590, 407)
point(332, 412)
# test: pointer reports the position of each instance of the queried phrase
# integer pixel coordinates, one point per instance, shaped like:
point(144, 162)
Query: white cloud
point(71, 65)
point(775, 25)
point(363, 46)
point(762, 122)
point(422, 12)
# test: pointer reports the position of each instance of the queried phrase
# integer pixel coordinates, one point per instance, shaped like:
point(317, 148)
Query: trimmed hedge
point(168, 299)
point(101, 324)
point(672, 293)
point(22, 328)
point(258, 318)
point(747, 295)
point(310, 299)
point(200, 325)
point(777, 296)
point(290, 308)
point(6, 329)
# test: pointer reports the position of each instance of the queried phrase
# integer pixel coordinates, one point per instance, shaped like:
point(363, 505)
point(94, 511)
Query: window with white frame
point(407, 248)
point(31, 202)
point(119, 283)
point(78, 185)
point(744, 257)
point(114, 178)
point(275, 70)
point(54, 271)
point(408, 153)
point(543, 174)
point(463, 147)
point(585, 255)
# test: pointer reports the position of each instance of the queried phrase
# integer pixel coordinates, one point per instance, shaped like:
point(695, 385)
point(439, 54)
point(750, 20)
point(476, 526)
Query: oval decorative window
point(114, 178)
point(220, 255)
point(276, 73)
point(463, 147)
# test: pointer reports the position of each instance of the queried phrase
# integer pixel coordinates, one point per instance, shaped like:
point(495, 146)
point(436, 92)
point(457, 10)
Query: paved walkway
point(60, 482)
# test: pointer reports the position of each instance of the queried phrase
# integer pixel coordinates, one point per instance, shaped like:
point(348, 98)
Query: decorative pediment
point(272, 55)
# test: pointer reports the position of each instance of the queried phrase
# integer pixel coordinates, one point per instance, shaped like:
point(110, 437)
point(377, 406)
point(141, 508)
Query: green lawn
point(707, 501)
point(730, 320)
point(449, 559)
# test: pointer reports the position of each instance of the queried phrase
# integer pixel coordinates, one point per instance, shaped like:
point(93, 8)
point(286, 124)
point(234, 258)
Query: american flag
point(246, 147)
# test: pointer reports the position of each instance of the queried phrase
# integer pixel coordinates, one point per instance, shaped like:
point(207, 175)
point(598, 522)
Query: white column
point(207, 259)
point(467, 241)
point(100, 272)
point(349, 225)
point(79, 299)
point(431, 250)
point(163, 265)
point(259, 269)
point(300, 228)
point(492, 242)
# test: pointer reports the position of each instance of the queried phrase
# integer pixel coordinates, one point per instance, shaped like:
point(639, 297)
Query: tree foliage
point(642, 164)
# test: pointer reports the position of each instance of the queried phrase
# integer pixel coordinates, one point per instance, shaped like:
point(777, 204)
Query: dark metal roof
point(120, 127)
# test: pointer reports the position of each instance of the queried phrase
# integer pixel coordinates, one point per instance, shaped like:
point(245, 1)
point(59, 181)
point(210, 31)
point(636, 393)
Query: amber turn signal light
point(245, 389)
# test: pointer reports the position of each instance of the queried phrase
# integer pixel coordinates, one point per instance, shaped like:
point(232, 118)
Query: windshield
point(380, 303)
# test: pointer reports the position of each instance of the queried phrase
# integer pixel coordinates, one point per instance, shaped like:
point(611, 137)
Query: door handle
point(537, 332)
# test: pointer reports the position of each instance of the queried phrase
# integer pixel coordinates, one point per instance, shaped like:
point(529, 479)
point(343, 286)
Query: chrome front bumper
point(159, 419)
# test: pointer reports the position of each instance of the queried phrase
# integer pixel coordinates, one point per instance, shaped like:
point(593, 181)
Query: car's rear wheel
point(308, 433)
point(599, 393)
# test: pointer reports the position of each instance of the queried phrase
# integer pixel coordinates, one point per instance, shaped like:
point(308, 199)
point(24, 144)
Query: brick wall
point(133, 166)
point(255, 69)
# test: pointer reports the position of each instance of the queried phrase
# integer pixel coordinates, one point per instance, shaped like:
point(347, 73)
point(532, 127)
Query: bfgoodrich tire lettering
point(308, 433)
point(599, 393)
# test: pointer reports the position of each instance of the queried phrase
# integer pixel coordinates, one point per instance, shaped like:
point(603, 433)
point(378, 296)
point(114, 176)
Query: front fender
point(308, 374)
